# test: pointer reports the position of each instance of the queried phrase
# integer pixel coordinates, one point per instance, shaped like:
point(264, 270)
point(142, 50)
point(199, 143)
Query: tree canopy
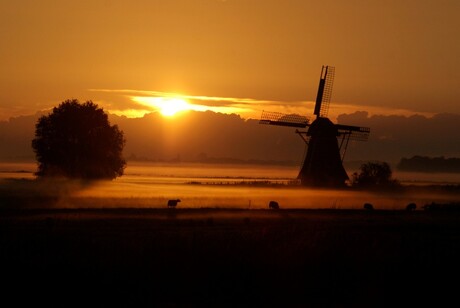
point(77, 141)
point(374, 174)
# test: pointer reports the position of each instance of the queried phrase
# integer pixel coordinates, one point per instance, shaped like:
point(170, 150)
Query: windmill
point(326, 142)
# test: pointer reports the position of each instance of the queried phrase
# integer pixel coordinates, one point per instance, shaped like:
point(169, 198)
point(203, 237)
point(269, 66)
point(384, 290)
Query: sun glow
point(167, 106)
point(171, 106)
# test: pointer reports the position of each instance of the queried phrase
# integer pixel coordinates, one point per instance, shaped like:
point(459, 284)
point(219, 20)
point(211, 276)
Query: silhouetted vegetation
point(374, 175)
point(77, 141)
point(428, 164)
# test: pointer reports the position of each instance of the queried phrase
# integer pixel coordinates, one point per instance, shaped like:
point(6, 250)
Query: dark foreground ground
point(206, 257)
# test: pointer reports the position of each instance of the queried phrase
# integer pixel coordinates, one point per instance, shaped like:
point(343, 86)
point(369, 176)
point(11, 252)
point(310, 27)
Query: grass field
point(229, 257)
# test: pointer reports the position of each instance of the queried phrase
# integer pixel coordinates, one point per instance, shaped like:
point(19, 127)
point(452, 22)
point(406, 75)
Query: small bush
point(374, 175)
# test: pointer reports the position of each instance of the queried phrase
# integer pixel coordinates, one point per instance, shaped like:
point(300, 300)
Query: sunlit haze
point(167, 106)
point(391, 56)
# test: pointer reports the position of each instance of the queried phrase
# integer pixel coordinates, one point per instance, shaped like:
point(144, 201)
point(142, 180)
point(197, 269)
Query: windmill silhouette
point(326, 142)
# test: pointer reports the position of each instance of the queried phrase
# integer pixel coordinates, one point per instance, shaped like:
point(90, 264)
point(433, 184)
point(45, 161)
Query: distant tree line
point(429, 164)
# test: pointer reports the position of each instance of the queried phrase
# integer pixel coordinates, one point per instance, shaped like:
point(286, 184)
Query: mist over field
point(151, 185)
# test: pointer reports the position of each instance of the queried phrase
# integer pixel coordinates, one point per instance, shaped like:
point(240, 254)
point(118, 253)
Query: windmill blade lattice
point(323, 98)
point(355, 132)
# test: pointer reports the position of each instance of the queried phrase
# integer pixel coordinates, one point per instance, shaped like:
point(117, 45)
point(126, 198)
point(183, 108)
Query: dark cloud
point(190, 134)
point(215, 134)
point(16, 136)
point(394, 136)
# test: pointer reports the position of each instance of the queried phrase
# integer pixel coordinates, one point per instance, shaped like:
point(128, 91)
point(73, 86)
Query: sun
point(167, 106)
point(170, 106)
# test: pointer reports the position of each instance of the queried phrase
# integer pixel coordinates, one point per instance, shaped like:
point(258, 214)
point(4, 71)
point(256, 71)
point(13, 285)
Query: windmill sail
point(348, 132)
point(323, 98)
point(355, 132)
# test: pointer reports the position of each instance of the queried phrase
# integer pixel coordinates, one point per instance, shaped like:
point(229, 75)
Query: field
point(74, 243)
point(225, 257)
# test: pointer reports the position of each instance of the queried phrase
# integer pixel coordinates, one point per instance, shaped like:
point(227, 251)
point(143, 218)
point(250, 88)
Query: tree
point(77, 141)
point(373, 174)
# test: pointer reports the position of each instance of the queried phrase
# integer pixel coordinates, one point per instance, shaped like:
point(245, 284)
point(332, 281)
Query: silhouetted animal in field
point(273, 205)
point(368, 206)
point(173, 203)
point(411, 206)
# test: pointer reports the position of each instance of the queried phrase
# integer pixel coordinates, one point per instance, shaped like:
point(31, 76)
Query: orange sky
point(390, 56)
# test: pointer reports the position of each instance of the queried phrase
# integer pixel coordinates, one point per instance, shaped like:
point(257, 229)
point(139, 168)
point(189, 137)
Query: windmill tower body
point(323, 164)
point(327, 142)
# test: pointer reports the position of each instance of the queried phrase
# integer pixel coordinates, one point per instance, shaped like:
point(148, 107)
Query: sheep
point(173, 203)
point(273, 205)
point(411, 206)
point(368, 206)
